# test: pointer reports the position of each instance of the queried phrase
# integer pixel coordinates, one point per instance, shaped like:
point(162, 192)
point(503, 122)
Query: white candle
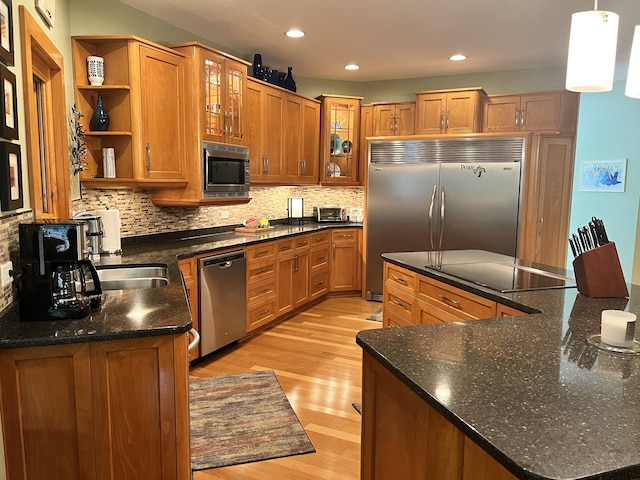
point(618, 328)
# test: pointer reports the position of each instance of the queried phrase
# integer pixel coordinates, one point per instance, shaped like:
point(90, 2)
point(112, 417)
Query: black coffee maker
point(54, 269)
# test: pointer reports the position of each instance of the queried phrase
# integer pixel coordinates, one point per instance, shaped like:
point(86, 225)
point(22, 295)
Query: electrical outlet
point(224, 214)
point(5, 274)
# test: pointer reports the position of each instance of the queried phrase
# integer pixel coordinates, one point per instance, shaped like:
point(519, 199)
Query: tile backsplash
point(141, 217)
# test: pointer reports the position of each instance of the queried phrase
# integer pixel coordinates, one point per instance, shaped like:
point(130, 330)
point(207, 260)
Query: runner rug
point(242, 418)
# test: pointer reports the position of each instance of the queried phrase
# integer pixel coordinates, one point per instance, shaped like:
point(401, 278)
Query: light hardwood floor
point(318, 364)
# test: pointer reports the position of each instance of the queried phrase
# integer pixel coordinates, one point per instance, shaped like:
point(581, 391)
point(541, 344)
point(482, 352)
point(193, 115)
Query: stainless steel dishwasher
point(222, 300)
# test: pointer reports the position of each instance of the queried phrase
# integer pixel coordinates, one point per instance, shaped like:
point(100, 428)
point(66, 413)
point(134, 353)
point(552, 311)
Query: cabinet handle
point(303, 244)
point(263, 252)
point(148, 157)
point(264, 270)
point(334, 252)
point(345, 235)
point(395, 126)
point(399, 279)
point(285, 248)
point(295, 263)
point(523, 117)
point(540, 226)
point(319, 284)
point(264, 290)
point(398, 303)
point(517, 117)
point(451, 302)
point(319, 259)
point(263, 312)
point(442, 120)
point(391, 123)
point(265, 165)
point(447, 119)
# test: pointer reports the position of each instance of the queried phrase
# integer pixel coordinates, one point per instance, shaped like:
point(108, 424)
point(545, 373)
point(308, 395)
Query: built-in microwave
point(225, 170)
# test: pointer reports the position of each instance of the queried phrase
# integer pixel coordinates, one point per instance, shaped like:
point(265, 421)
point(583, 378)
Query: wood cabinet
point(189, 270)
point(345, 259)
point(340, 140)
point(394, 118)
point(366, 130)
point(292, 273)
point(261, 285)
point(540, 112)
point(411, 299)
point(404, 437)
point(146, 156)
point(448, 111)
point(319, 261)
point(215, 103)
point(544, 224)
point(282, 135)
point(101, 410)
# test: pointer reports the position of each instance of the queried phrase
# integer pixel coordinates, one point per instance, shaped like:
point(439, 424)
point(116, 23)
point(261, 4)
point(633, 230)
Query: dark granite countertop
point(140, 312)
point(530, 390)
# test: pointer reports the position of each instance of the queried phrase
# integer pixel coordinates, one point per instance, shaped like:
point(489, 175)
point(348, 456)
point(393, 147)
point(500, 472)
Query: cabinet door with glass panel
point(224, 91)
point(340, 139)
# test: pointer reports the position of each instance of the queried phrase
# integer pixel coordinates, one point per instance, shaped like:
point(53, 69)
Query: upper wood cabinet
point(282, 135)
point(540, 112)
point(215, 105)
point(366, 130)
point(340, 140)
point(146, 155)
point(448, 111)
point(394, 118)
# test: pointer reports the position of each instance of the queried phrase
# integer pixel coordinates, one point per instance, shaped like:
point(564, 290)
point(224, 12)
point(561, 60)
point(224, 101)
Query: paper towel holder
point(295, 210)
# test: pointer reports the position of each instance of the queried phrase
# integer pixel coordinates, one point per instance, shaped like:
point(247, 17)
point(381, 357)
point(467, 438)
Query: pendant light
point(633, 75)
point(592, 51)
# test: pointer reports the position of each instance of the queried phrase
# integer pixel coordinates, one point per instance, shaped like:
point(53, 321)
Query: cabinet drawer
point(454, 300)
point(319, 237)
point(260, 314)
point(261, 251)
point(320, 256)
point(301, 241)
point(399, 277)
point(400, 303)
point(284, 246)
point(344, 235)
point(261, 270)
point(258, 291)
point(391, 319)
point(319, 283)
point(430, 313)
point(505, 311)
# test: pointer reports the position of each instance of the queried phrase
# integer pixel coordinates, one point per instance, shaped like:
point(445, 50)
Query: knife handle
point(573, 248)
point(594, 234)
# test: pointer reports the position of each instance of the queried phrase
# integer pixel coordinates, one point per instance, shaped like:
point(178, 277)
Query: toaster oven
point(330, 214)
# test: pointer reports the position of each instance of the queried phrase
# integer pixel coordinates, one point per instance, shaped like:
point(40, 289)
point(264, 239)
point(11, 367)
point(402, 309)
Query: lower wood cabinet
point(102, 410)
point(412, 299)
point(189, 270)
point(404, 437)
point(345, 259)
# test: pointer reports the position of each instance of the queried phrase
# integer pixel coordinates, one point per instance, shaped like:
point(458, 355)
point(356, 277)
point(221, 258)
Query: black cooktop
point(505, 277)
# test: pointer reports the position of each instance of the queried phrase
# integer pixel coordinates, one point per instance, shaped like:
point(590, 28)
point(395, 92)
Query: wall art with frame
point(603, 175)
point(9, 104)
point(6, 32)
point(10, 176)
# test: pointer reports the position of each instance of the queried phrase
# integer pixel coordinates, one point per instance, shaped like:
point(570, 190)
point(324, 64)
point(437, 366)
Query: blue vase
point(100, 118)
point(289, 83)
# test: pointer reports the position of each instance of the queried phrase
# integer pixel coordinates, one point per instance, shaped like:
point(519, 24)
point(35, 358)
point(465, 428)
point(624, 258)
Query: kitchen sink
point(125, 277)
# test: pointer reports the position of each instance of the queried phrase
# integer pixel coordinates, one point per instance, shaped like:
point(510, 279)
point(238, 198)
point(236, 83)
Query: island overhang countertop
point(529, 390)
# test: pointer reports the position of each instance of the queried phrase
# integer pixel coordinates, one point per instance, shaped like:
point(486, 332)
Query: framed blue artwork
point(603, 175)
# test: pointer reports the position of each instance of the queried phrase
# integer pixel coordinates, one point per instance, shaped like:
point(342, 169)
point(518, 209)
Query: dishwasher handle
point(196, 340)
point(224, 260)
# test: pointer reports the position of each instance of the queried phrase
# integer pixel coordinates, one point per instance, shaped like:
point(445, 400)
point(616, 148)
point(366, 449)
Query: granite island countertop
point(529, 390)
point(140, 312)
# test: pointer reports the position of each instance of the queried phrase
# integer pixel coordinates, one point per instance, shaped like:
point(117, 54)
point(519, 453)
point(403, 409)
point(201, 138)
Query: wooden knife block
point(599, 274)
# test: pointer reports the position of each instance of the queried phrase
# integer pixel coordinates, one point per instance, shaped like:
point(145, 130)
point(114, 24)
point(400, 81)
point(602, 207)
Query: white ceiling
point(392, 39)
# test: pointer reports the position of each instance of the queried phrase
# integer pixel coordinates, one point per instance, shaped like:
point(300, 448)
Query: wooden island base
point(405, 438)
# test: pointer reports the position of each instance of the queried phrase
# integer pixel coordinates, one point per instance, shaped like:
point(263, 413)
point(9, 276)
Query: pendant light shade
point(592, 51)
point(633, 76)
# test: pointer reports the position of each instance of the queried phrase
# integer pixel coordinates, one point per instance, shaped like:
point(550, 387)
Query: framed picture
point(9, 124)
point(6, 32)
point(10, 176)
point(603, 175)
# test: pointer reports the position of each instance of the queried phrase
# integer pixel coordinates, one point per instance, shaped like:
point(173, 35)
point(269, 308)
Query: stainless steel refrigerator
point(441, 194)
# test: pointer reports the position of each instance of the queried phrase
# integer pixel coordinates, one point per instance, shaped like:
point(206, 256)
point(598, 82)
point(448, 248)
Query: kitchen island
point(514, 397)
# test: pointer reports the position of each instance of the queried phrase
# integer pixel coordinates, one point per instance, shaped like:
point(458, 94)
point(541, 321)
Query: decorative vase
point(100, 118)
point(95, 70)
point(257, 66)
point(289, 83)
point(273, 77)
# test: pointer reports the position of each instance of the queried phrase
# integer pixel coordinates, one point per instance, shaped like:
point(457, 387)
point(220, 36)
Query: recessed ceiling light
point(351, 66)
point(457, 57)
point(294, 33)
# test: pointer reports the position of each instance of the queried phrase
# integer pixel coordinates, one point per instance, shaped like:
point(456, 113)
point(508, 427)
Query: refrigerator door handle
point(441, 233)
point(433, 201)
